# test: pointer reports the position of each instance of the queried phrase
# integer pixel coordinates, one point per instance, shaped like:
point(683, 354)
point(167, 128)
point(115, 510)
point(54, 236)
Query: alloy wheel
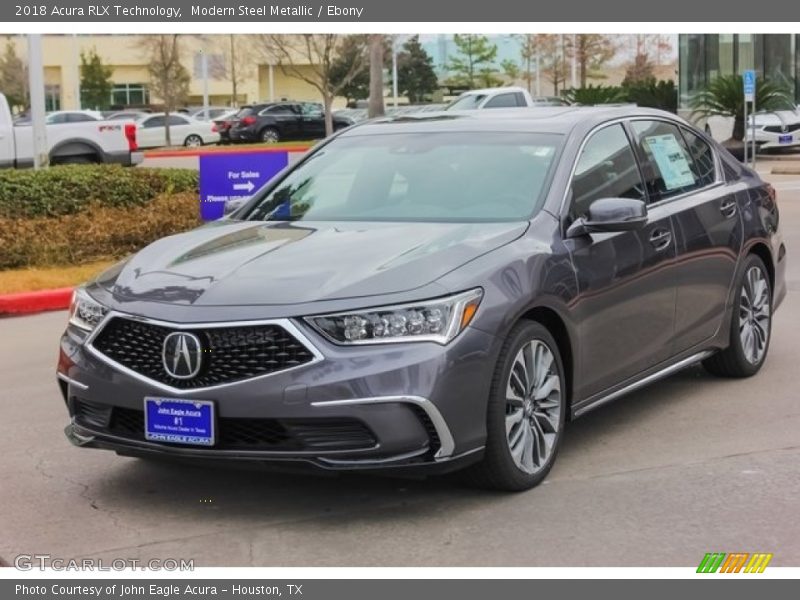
point(754, 315)
point(533, 406)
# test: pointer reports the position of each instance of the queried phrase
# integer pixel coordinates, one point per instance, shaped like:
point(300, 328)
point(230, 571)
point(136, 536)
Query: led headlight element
point(84, 312)
point(438, 320)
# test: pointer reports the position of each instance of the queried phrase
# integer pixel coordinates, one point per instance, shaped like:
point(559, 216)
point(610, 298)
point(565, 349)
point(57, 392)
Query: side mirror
point(610, 215)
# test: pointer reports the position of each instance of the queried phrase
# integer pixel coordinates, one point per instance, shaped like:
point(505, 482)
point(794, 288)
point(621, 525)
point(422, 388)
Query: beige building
point(256, 79)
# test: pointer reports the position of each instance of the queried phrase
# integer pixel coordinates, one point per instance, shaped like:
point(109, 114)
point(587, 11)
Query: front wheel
point(750, 326)
point(526, 411)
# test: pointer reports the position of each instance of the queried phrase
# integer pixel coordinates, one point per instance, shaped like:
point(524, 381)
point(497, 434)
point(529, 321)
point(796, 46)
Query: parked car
point(501, 97)
point(74, 141)
point(774, 130)
point(277, 121)
point(184, 131)
point(59, 117)
point(222, 125)
point(127, 115)
point(213, 112)
point(433, 294)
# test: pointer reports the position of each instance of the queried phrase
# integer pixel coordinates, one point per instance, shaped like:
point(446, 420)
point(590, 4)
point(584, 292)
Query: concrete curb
point(223, 150)
point(786, 170)
point(34, 302)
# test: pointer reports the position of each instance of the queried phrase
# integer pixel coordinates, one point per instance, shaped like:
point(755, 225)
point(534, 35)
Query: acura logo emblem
point(182, 355)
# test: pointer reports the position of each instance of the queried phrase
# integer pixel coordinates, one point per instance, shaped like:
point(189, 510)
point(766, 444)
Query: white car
point(151, 131)
point(778, 129)
point(501, 97)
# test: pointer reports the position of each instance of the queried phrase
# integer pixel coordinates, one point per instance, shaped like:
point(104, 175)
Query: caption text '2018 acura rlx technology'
point(433, 293)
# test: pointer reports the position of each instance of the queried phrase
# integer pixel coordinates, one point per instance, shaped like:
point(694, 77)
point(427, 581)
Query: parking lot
point(690, 465)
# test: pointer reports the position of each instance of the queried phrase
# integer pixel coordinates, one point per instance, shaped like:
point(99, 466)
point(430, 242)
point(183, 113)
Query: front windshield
point(469, 176)
point(466, 102)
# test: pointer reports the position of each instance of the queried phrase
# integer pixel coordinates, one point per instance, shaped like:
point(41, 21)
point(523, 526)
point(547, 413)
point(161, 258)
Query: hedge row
point(70, 189)
point(98, 232)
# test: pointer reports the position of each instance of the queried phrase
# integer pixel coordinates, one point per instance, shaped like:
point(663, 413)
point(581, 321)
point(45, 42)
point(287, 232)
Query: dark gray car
point(431, 293)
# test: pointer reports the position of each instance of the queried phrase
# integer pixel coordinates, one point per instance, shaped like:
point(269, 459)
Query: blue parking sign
point(234, 176)
point(749, 80)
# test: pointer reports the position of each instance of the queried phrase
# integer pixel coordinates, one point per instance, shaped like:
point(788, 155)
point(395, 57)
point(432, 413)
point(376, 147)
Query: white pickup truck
point(85, 142)
point(502, 97)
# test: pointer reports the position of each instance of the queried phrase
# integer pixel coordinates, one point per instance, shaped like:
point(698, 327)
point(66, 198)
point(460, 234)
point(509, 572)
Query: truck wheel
point(269, 135)
point(78, 159)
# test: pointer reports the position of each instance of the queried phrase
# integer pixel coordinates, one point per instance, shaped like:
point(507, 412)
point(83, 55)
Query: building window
point(692, 68)
point(778, 60)
point(129, 94)
point(52, 97)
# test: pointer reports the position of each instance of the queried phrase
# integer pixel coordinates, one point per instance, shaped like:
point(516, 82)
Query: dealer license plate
point(178, 421)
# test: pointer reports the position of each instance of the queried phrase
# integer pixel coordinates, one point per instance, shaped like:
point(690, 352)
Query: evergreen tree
point(475, 59)
point(351, 50)
point(95, 81)
point(13, 77)
point(416, 77)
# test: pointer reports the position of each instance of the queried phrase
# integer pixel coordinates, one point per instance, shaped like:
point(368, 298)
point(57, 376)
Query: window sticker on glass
point(671, 161)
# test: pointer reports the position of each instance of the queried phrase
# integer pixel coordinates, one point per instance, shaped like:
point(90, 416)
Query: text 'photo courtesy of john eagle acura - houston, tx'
point(433, 293)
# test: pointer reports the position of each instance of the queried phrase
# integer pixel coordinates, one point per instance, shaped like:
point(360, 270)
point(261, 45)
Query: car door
point(152, 133)
point(179, 129)
point(625, 305)
point(313, 121)
point(708, 227)
point(284, 118)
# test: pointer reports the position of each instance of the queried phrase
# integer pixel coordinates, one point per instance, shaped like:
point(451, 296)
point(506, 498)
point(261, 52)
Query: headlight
point(85, 312)
point(437, 321)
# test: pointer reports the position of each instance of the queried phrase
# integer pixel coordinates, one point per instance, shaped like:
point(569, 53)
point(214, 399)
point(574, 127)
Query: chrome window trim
point(719, 180)
point(447, 444)
point(286, 324)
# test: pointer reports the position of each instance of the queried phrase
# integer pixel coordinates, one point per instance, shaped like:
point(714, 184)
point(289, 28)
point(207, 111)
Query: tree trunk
point(327, 100)
point(166, 127)
point(375, 76)
point(235, 99)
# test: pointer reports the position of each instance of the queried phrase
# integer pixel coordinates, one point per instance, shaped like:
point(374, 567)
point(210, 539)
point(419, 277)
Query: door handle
point(661, 239)
point(728, 208)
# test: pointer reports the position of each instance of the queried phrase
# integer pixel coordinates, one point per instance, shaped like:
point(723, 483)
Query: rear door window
point(703, 156)
point(502, 101)
point(669, 169)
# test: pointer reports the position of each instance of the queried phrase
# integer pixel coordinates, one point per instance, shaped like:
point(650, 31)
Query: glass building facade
point(702, 57)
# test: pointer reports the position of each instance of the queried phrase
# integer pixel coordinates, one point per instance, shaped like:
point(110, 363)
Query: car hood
point(778, 117)
point(232, 263)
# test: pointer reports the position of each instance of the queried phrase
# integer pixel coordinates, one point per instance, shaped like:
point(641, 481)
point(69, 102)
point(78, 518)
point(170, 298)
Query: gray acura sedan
point(433, 293)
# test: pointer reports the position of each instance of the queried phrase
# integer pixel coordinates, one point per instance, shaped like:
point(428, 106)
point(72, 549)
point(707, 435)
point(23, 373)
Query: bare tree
point(552, 52)
point(310, 57)
point(528, 52)
point(592, 51)
point(169, 79)
point(377, 48)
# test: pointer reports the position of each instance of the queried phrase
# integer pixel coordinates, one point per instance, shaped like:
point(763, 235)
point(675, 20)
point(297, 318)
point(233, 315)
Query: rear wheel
point(750, 326)
point(270, 135)
point(193, 141)
point(526, 411)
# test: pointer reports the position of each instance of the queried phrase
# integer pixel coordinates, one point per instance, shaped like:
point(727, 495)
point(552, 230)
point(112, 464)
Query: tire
point(269, 135)
point(193, 141)
point(77, 159)
point(499, 469)
point(752, 312)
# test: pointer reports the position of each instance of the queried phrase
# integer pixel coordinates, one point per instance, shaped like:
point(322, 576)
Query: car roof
point(555, 119)
point(494, 90)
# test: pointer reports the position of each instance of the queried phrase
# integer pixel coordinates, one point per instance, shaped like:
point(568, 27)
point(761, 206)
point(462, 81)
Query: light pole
point(36, 83)
point(394, 71)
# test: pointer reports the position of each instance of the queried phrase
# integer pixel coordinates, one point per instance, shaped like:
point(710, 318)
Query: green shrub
point(595, 94)
point(654, 94)
point(98, 232)
point(69, 189)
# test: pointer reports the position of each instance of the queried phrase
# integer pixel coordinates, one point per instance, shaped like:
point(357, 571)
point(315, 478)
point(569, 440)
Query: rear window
point(459, 177)
point(466, 102)
point(245, 111)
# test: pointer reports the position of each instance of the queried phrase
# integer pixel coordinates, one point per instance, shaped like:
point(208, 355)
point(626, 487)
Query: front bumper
point(424, 404)
point(766, 140)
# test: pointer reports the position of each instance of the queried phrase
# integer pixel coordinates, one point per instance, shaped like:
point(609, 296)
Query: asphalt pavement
point(690, 465)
